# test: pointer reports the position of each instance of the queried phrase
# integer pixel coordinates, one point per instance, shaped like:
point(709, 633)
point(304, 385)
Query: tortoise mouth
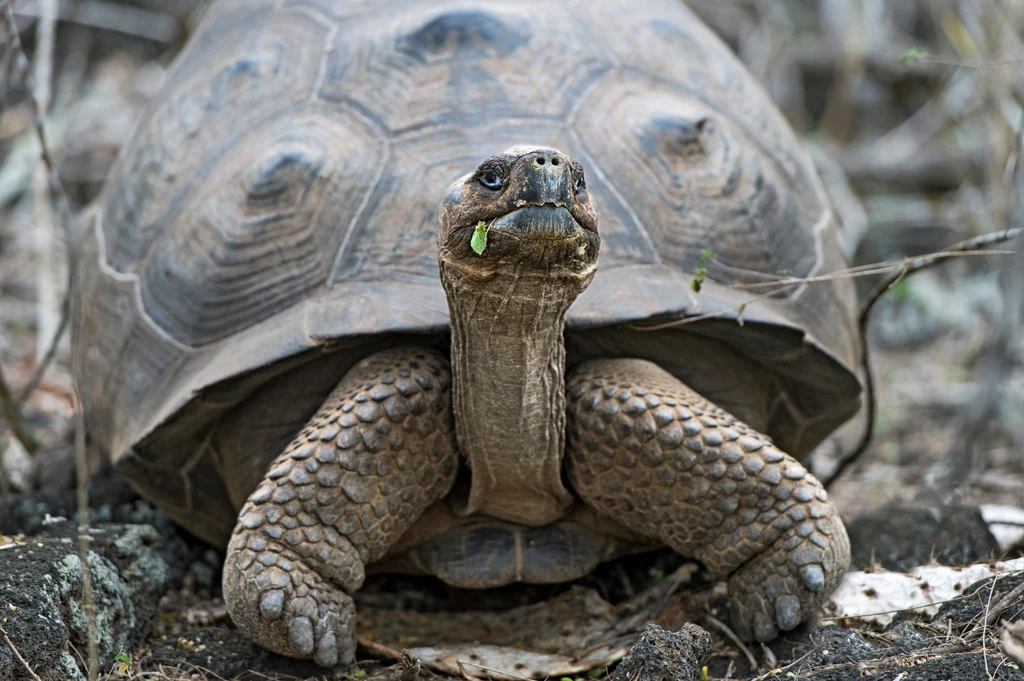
point(547, 222)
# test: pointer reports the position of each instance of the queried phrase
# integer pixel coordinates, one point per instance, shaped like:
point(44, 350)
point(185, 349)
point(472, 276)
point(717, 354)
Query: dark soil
point(225, 653)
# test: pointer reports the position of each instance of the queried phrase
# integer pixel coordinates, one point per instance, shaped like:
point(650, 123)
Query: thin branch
point(47, 303)
point(82, 473)
point(1005, 602)
point(10, 644)
point(381, 651)
point(724, 628)
point(20, 63)
point(901, 267)
point(463, 663)
point(912, 265)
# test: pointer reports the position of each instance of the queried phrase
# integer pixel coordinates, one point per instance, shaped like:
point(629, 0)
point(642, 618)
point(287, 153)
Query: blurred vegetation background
point(912, 110)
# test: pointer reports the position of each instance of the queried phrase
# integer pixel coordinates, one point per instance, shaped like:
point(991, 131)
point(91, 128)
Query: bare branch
point(17, 654)
point(82, 473)
point(724, 628)
point(48, 309)
point(912, 265)
point(20, 64)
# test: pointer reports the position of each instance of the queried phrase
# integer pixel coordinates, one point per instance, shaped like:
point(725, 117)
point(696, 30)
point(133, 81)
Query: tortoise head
point(525, 212)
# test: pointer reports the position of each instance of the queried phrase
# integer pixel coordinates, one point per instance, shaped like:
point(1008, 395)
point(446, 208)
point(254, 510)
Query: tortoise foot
point(783, 586)
point(375, 456)
point(285, 606)
point(648, 451)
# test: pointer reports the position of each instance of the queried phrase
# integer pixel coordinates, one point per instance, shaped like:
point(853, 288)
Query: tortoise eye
point(491, 180)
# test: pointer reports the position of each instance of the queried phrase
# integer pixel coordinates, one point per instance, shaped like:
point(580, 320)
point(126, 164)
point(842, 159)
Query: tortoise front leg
point(648, 451)
point(379, 451)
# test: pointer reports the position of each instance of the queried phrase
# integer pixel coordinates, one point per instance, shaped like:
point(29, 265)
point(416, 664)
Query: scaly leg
point(646, 450)
point(379, 451)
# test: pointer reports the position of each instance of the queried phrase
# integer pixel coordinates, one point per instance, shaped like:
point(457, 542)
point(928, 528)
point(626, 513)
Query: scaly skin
point(645, 449)
point(379, 451)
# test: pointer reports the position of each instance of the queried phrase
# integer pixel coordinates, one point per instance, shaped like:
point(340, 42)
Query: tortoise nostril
point(543, 159)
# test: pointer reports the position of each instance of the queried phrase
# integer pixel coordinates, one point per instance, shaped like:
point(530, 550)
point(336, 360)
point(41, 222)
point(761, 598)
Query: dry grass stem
point(470, 677)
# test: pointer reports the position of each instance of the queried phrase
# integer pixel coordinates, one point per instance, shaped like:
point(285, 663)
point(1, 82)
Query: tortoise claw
point(294, 612)
point(786, 584)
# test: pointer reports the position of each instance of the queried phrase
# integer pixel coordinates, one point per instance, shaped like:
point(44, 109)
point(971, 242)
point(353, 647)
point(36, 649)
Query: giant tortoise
point(324, 321)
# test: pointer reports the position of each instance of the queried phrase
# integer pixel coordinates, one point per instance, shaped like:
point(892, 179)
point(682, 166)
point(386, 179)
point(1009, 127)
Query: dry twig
point(20, 63)
point(47, 297)
point(1005, 602)
point(722, 627)
point(82, 473)
point(381, 651)
point(910, 266)
point(17, 654)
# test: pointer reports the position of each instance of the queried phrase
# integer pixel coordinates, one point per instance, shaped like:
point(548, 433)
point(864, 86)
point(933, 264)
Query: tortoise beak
point(545, 222)
point(543, 199)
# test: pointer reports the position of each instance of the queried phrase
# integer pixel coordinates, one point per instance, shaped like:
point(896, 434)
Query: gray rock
point(42, 603)
point(905, 638)
point(662, 655)
point(902, 537)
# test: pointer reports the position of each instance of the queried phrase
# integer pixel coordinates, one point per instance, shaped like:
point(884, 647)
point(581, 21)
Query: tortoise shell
point(273, 219)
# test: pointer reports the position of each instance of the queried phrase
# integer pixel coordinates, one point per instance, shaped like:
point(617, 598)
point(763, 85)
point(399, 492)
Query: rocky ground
point(913, 147)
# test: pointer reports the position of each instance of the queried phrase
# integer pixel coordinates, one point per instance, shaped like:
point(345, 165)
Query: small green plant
point(479, 241)
point(784, 272)
point(911, 55)
point(359, 673)
point(698, 279)
point(122, 662)
point(706, 254)
point(656, 574)
point(596, 673)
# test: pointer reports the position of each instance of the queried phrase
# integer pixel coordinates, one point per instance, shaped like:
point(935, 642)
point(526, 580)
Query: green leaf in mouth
point(479, 241)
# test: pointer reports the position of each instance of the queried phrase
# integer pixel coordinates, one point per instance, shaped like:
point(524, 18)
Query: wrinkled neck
point(508, 389)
